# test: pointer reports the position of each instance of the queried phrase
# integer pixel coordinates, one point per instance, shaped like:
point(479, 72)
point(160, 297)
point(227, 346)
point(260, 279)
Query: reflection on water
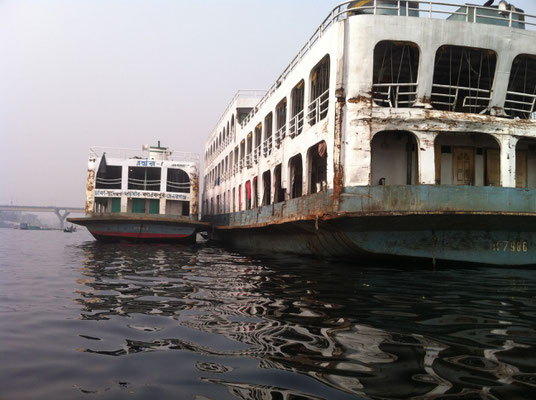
point(356, 331)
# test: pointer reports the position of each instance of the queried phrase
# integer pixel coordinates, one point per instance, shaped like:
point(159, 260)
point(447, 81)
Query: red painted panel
point(141, 235)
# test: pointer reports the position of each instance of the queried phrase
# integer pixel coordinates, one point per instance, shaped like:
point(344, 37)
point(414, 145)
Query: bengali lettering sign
point(141, 194)
point(176, 196)
point(107, 193)
point(148, 163)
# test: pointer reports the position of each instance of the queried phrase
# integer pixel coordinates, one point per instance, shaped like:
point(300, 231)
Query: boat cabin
point(153, 181)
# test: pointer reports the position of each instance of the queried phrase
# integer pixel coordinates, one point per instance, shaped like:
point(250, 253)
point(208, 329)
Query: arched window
point(526, 163)
point(279, 192)
point(296, 176)
point(396, 68)
point(467, 159)
point(463, 79)
point(317, 167)
point(281, 121)
point(144, 178)
point(258, 141)
point(394, 158)
point(267, 144)
point(108, 176)
point(521, 95)
point(178, 181)
point(296, 120)
point(267, 186)
point(319, 101)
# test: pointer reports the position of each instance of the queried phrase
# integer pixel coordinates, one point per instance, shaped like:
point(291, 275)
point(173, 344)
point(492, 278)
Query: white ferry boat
point(147, 195)
point(401, 128)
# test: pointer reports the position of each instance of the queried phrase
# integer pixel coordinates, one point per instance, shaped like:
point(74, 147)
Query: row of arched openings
point(463, 79)
point(459, 159)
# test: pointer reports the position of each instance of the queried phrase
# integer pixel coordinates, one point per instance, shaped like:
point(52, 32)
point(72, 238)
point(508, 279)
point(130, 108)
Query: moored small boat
point(69, 229)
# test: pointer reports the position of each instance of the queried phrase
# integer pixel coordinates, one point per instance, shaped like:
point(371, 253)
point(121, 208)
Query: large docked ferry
point(401, 128)
point(147, 195)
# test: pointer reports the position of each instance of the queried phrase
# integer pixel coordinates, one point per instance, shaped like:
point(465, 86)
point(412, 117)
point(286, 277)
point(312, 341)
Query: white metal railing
point(105, 181)
point(280, 135)
point(238, 94)
point(417, 8)
point(179, 187)
point(389, 94)
point(267, 147)
point(219, 150)
point(125, 153)
point(453, 96)
point(318, 108)
point(528, 102)
point(249, 160)
point(144, 184)
point(256, 154)
point(295, 125)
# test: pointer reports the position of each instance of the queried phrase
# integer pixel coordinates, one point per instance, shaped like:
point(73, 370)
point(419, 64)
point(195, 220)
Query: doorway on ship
point(317, 167)
point(467, 159)
point(266, 193)
point(254, 202)
point(394, 158)
point(279, 192)
point(295, 168)
point(526, 163)
point(248, 195)
point(234, 200)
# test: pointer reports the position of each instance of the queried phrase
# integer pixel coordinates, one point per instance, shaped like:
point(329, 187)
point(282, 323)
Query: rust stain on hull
point(90, 191)
point(194, 187)
point(338, 170)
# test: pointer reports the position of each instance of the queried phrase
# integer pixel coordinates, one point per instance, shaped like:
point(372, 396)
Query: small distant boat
point(142, 196)
point(27, 227)
point(69, 229)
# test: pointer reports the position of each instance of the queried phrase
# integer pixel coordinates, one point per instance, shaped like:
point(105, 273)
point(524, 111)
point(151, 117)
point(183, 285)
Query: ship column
point(124, 187)
point(163, 188)
point(194, 193)
point(508, 160)
point(90, 186)
point(426, 152)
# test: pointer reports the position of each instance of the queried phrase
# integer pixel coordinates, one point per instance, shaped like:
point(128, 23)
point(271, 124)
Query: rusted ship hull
point(460, 224)
point(141, 228)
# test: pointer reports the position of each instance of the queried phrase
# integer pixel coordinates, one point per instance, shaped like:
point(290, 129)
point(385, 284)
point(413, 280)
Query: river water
point(81, 319)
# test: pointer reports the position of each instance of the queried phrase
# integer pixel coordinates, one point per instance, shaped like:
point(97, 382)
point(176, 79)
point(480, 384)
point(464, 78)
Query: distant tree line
point(9, 219)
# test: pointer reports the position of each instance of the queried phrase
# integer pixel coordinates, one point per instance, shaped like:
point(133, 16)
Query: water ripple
point(240, 327)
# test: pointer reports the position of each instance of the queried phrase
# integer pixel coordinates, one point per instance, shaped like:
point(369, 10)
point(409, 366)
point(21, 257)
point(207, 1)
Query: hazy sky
point(121, 73)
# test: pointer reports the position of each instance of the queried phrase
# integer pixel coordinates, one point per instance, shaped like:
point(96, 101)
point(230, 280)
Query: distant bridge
point(61, 212)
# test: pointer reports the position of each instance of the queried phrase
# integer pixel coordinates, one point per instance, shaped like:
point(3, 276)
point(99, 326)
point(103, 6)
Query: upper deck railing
point(504, 16)
point(240, 94)
point(126, 153)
